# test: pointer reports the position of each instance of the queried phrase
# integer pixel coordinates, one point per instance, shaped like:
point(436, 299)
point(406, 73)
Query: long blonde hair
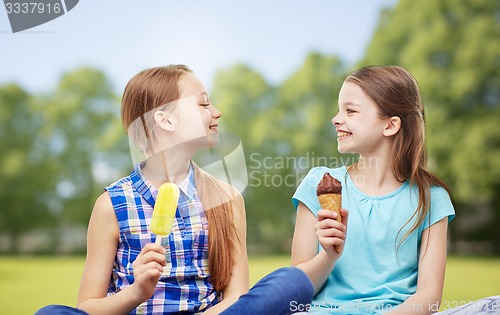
point(151, 89)
point(395, 91)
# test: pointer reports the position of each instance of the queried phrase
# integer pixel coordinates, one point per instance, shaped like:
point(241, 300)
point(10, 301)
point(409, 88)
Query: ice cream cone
point(331, 202)
point(329, 192)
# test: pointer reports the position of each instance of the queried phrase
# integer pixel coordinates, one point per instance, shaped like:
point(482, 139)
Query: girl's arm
point(309, 231)
point(431, 269)
point(102, 241)
point(238, 284)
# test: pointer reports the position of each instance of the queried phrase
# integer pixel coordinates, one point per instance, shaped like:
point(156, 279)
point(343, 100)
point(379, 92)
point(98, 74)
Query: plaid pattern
point(185, 284)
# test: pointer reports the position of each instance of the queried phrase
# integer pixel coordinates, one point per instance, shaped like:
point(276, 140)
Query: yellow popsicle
point(165, 208)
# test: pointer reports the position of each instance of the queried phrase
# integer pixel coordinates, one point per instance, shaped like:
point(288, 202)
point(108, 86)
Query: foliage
point(285, 130)
point(23, 170)
point(58, 149)
point(53, 151)
point(453, 49)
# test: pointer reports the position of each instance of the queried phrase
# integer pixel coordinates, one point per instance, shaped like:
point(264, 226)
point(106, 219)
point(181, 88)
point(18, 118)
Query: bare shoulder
point(103, 214)
point(103, 205)
point(104, 201)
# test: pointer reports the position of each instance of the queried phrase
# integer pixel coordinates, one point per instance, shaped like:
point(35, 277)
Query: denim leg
point(275, 294)
point(59, 310)
point(489, 305)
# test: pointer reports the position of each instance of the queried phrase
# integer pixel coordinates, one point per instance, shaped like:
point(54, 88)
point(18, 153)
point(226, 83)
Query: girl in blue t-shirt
point(392, 236)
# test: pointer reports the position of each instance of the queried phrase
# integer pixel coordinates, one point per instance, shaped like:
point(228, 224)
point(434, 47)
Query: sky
point(123, 37)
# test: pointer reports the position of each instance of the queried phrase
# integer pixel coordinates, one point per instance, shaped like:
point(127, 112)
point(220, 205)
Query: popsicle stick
point(158, 239)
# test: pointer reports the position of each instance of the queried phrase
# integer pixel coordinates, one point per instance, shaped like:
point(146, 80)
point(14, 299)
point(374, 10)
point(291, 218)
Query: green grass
point(27, 284)
point(30, 283)
point(469, 279)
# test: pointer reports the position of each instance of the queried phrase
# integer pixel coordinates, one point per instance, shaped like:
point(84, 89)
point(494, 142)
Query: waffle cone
point(332, 202)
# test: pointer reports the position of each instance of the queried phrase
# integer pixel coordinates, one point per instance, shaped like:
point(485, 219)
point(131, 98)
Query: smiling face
point(197, 120)
point(359, 126)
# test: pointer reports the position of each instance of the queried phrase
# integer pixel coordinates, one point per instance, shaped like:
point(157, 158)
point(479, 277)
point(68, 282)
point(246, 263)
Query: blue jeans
point(273, 295)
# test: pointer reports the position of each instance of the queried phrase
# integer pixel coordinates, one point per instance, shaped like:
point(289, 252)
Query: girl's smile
point(341, 134)
point(214, 128)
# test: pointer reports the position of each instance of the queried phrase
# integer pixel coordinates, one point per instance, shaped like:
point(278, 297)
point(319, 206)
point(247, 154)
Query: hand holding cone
point(329, 192)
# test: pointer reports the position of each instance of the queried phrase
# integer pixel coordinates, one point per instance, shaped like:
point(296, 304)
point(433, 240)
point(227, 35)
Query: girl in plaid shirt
point(202, 266)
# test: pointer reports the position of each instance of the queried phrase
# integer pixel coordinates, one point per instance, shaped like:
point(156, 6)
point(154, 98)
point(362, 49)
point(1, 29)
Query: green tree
point(79, 127)
point(453, 49)
point(306, 103)
point(286, 130)
point(23, 170)
point(297, 132)
point(58, 150)
point(242, 95)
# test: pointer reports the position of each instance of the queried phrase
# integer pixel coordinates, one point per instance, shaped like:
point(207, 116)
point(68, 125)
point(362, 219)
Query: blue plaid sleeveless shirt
point(185, 283)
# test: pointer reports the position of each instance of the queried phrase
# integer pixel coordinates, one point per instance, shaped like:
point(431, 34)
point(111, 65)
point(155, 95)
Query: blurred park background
point(59, 146)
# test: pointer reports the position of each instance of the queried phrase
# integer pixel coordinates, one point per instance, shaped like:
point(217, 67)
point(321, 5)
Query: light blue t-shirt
point(371, 277)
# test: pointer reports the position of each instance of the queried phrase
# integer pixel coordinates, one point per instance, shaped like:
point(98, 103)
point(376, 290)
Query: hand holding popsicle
point(148, 268)
point(164, 210)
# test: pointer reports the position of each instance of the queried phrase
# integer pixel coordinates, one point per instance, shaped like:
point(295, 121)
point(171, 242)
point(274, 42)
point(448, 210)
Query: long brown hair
point(151, 89)
point(395, 91)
